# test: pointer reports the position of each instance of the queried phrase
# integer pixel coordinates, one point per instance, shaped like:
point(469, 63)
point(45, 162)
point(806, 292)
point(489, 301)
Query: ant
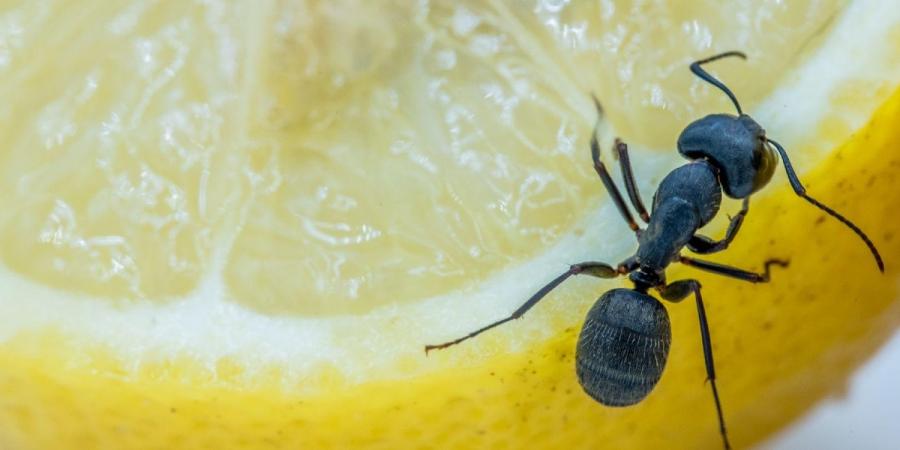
point(624, 343)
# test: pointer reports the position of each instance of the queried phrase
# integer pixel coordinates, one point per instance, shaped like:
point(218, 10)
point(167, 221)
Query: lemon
point(237, 224)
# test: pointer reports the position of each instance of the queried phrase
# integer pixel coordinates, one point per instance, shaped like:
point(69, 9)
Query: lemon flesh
point(290, 149)
point(237, 224)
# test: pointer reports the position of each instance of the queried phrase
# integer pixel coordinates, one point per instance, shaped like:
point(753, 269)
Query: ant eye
point(764, 162)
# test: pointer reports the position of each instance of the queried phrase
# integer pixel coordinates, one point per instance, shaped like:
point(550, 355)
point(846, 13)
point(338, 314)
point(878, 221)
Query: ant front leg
point(703, 245)
point(610, 185)
point(630, 185)
point(596, 269)
point(675, 292)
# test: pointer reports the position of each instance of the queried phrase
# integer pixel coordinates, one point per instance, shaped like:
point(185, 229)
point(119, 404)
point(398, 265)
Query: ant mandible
point(624, 343)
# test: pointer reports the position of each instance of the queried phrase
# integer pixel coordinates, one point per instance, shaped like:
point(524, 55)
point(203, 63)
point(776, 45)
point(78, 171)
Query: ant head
point(737, 146)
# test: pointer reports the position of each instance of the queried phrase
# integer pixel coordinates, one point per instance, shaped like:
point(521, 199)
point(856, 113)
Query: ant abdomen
point(623, 347)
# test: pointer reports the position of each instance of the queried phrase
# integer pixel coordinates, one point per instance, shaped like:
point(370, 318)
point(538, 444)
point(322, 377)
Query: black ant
point(624, 343)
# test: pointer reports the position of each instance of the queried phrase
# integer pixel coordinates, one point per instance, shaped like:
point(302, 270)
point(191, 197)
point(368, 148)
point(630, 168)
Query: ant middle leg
point(734, 272)
point(703, 245)
point(675, 292)
point(596, 269)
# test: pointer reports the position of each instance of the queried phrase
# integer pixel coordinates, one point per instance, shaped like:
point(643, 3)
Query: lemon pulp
point(293, 148)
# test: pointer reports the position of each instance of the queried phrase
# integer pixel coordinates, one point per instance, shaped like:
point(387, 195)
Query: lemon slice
point(237, 224)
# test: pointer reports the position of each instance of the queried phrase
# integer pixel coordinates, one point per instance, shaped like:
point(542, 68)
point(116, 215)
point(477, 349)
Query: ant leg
point(592, 268)
point(628, 175)
point(734, 272)
point(801, 191)
point(703, 245)
point(610, 185)
point(676, 292)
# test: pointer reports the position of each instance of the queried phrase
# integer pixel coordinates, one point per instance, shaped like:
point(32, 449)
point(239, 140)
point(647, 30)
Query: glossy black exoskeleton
point(624, 343)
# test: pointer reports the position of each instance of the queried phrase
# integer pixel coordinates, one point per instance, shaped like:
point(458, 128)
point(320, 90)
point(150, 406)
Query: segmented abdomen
point(623, 347)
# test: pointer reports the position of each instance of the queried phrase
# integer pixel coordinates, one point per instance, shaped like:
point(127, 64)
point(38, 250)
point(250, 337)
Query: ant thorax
point(688, 198)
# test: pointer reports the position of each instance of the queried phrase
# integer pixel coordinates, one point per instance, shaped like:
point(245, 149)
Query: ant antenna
point(801, 191)
point(695, 67)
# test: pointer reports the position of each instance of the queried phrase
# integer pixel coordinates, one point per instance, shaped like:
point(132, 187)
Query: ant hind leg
point(676, 292)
